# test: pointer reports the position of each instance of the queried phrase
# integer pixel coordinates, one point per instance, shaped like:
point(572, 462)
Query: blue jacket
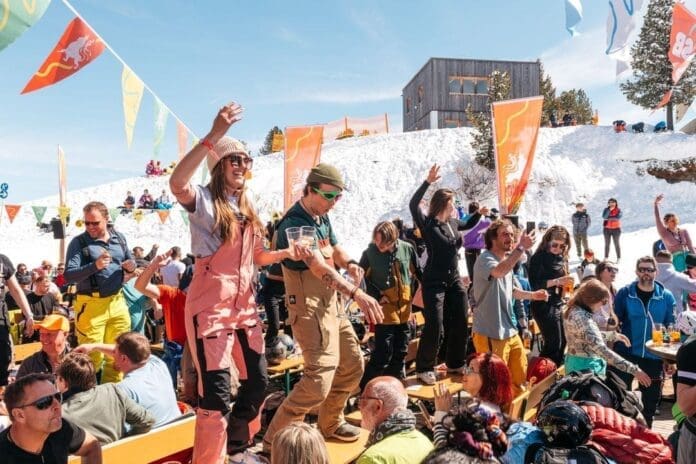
point(636, 324)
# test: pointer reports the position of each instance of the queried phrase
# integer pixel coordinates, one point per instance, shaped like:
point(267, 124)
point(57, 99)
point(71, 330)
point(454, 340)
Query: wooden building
point(437, 96)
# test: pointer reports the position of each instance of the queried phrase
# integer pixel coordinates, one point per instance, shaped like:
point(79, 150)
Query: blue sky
point(287, 63)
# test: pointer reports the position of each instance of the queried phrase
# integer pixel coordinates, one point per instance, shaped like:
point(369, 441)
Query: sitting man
point(38, 432)
point(145, 375)
point(146, 201)
point(129, 202)
point(102, 410)
point(393, 435)
point(53, 335)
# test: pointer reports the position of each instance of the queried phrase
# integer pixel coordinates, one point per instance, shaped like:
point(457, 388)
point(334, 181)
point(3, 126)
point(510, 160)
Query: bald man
point(393, 435)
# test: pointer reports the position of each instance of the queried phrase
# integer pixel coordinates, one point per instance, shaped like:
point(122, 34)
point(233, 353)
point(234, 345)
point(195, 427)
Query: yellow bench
point(341, 452)
point(23, 351)
point(285, 368)
point(418, 391)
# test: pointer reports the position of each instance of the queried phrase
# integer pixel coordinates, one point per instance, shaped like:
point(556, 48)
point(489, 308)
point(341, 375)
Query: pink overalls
point(222, 328)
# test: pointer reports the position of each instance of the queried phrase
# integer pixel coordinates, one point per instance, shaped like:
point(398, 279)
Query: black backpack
point(538, 453)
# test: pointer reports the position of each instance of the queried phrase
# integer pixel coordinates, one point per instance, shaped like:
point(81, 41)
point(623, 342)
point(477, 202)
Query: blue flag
point(573, 11)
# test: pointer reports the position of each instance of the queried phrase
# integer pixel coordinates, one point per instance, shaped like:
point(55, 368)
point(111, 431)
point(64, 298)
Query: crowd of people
point(96, 378)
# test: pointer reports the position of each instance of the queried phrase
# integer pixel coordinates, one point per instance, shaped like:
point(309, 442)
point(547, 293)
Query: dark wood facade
point(437, 96)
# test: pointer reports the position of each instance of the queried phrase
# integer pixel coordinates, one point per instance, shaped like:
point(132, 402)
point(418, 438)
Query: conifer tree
point(548, 91)
point(652, 70)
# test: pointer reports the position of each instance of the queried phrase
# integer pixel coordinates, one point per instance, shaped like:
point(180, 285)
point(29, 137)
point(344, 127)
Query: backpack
point(584, 454)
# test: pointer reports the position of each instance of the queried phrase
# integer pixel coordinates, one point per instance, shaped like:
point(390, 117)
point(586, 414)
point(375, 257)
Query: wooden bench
point(518, 405)
point(152, 446)
point(285, 368)
point(341, 452)
point(23, 351)
point(536, 393)
point(418, 391)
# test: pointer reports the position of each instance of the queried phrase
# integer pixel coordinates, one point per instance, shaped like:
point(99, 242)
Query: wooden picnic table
point(417, 390)
point(286, 367)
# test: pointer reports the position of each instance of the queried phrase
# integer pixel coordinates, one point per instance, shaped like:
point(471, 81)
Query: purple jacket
point(473, 238)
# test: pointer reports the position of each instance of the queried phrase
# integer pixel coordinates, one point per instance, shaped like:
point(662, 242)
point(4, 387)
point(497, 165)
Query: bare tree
point(475, 182)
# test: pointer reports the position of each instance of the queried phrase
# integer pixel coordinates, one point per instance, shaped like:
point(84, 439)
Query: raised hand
point(433, 174)
point(659, 198)
point(226, 117)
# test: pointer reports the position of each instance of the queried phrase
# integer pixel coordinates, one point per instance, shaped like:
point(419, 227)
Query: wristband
point(353, 292)
point(207, 144)
point(520, 248)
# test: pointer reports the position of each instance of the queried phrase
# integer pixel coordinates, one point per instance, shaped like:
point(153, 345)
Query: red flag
point(681, 41)
point(163, 215)
point(78, 46)
point(665, 100)
point(12, 211)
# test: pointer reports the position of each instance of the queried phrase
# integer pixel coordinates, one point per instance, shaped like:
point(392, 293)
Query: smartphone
point(530, 226)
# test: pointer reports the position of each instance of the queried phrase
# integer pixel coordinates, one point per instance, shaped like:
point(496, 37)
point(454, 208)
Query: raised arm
point(179, 182)
point(661, 229)
point(144, 284)
point(414, 204)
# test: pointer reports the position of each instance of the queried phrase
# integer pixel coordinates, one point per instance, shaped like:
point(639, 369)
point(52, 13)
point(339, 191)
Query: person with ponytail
point(222, 326)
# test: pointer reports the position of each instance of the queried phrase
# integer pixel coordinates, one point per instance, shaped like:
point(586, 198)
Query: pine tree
point(576, 103)
point(652, 70)
point(548, 91)
point(268, 141)
point(482, 143)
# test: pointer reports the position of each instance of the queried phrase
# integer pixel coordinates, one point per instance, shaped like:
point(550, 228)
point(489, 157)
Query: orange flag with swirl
point(302, 153)
point(515, 130)
point(78, 47)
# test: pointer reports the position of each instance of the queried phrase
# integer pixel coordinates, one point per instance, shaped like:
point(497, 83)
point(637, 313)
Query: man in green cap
point(333, 363)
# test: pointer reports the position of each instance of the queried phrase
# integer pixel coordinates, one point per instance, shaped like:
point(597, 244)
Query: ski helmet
point(686, 321)
point(565, 424)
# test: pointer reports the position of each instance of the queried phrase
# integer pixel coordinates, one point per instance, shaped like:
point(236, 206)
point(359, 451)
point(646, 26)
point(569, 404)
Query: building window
point(459, 85)
point(408, 105)
point(452, 123)
point(421, 93)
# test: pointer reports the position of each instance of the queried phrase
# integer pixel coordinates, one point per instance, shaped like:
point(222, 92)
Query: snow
point(583, 163)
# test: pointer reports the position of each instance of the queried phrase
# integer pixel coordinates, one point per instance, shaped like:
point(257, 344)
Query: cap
point(225, 146)
point(326, 174)
point(53, 322)
point(690, 260)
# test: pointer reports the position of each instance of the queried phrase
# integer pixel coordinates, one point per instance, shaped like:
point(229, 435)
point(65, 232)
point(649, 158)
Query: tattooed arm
point(334, 281)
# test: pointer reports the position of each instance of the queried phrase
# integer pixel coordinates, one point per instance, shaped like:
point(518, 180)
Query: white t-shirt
point(171, 272)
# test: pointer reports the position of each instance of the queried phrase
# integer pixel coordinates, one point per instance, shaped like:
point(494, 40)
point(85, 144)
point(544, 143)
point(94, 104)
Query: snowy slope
point(574, 163)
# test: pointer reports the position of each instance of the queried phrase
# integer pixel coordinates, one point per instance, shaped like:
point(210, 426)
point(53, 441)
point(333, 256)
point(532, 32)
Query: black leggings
point(650, 396)
point(391, 348)
point(276, 311)
point(445, 326)
point(610, 234)
point(549, 319)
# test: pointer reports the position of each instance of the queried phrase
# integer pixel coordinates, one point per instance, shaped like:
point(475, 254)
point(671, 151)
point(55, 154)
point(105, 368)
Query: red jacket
point(625, 440)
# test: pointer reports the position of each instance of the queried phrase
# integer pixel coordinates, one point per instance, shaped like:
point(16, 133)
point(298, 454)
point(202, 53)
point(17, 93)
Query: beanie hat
point(225, 146)
point(325, 174)
point(690, 260)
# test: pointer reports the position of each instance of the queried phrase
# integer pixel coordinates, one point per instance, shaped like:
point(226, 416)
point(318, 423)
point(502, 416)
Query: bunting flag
point(78, 47)
point(132, 88)
point(620, 23)
point(573, 14)
point(114, 213)
point(161, 113)
point(62, 178)
point(665, 100)
point(63, 213)
point(39, 212)
point(515, 129)
point(302, 153)
point(163, 215)
point(16, 16)
point(681, 41)
point(12, 211)
point(184, 216)
point(138, 215)
point(680, 110)
point(182, 138)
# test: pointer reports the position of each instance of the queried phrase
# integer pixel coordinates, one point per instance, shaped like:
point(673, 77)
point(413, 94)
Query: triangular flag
point(163, 215)
point(12, 211)
point(184, 216)
point(161, 113)
point(78, 46)
point(114, 213)
point(132, 88)
point(665, 100)
point(39, 212)
point(138, 215)
point(16, 17)
point(573, 14)
point(182, 137)
point(63, 213)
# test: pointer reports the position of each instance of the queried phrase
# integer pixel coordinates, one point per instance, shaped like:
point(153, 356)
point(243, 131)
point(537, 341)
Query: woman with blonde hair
point(221, 322)
point(548, 270)
point(587, 345)
point(299, 443)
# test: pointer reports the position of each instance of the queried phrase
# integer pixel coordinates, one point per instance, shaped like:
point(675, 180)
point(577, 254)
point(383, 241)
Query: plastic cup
point(308, 235)
point(657, 335)
point(293, 234)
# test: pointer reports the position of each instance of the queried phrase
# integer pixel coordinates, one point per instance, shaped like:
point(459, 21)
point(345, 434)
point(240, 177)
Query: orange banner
point(78, 46)
point(302, 153)
point(12, 211)
point(515, 129)
point(182, 138)
point(681, 40)
point(163, 215)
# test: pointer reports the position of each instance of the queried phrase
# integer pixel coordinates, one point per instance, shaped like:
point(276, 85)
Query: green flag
point(16, 16)
point(114, 213)
point(39, 212)
point(184, 216)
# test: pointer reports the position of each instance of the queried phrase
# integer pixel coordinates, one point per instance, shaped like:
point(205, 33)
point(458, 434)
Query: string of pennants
point(137, 214)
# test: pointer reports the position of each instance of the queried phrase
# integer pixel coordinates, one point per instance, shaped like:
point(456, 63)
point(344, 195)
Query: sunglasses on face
point(554, 245)
point(92, 223)
point(643, 270)
point(329, 196)
point(239, 160)
point(613, 270)
point(45, 402)
point(466, 370)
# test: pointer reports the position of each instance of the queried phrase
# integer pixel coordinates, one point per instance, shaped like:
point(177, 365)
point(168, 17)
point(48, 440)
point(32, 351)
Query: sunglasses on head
point(45, 402)
point(239, 160)
point(646, 269)
point(329, 196)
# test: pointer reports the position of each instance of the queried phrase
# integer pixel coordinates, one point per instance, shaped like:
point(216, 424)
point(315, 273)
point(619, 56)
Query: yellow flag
point(132, 88)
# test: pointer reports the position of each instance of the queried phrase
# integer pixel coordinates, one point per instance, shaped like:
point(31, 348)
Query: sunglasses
point(240, 160)
point(646, 269)
point(329, 196)
point(466, 370)
point(555, 245)
point(613, 270)
point(92, 223)
point(45, 402)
